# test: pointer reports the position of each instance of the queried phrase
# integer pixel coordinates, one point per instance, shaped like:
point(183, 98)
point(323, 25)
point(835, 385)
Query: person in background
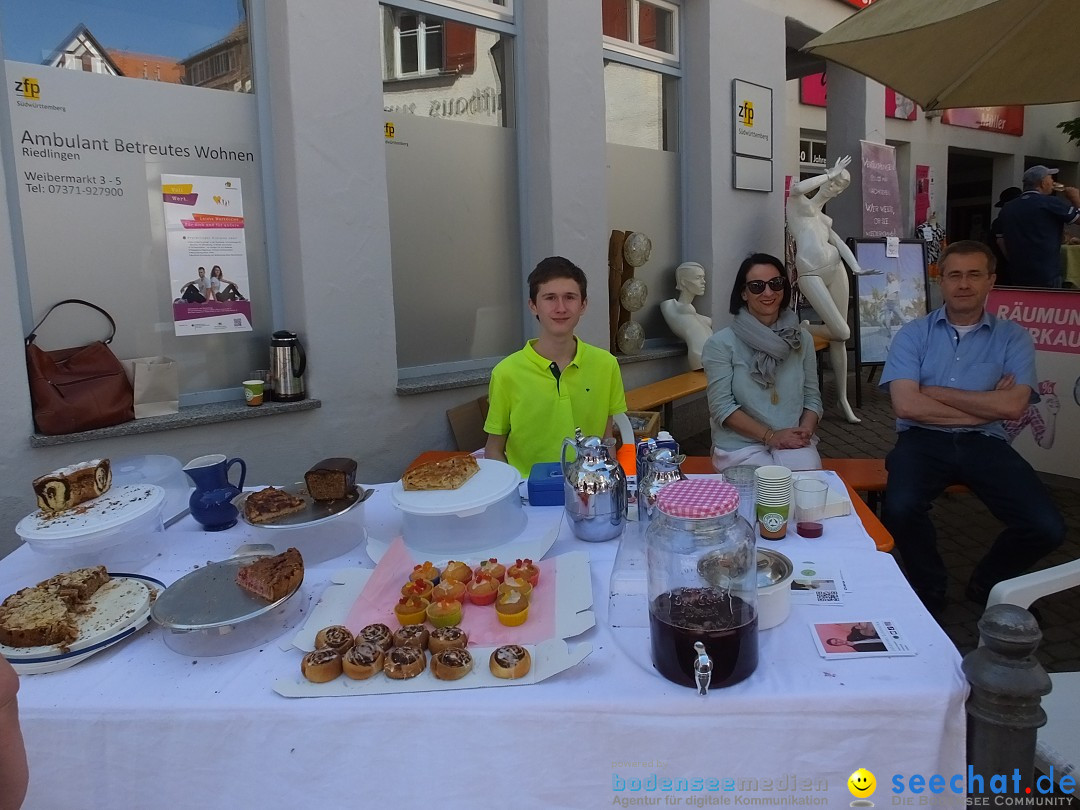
point(1004, 273)
point(953, 376)
point(557, 382)
point(1032, 228)
point(764, 402)
point(14, 774)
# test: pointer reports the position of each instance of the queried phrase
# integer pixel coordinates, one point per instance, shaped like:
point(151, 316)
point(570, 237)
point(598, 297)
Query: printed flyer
point(860, 639)
point(208, 271)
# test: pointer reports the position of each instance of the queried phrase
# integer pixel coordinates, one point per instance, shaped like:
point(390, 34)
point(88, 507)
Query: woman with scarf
point(764, 401)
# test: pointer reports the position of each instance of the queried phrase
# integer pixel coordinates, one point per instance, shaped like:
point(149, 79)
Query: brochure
point(859, 639)
point(814, 584)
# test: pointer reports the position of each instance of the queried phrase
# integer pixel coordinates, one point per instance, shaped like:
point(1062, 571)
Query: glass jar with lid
point(701, 562)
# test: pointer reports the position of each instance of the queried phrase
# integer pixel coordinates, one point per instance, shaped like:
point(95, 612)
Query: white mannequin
point(680, 314)
point(820, 258)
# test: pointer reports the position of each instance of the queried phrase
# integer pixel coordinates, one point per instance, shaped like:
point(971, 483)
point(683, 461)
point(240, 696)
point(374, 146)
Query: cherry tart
point(510, 661)
point(362, 661)
point(451, 665)
point(402, 663)
point(378, 634)
point(337, 637)
point(447, 638)
point(525, 569)
point(321, 666)
point(412, 635)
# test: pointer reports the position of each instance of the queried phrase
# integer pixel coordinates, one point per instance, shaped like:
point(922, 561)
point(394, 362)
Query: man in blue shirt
point(952, 377)
point(1032, 227)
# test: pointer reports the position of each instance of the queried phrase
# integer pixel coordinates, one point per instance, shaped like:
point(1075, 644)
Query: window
point(640, 28)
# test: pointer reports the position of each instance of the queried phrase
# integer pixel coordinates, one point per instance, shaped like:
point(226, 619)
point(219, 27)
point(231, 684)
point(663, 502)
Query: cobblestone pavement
point(965, 528)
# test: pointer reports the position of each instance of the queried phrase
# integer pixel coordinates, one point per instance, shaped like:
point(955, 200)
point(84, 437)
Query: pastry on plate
point(455, 569)
point(417, 587)
point(492, 567)
point(482, 590)
point(447, 638)
point(447, 473)
point(331, 478)
point(320, 666)
point(378, 634)
point(451, 665)
point(401, 663)
point(362, 661)
point(270, 504)
point(46, 614)
point(510, 661)
point(512, 608)
point(444, 613)
point(425, 570)
point(272, 578)
point(411, 609)
point(336, 637)
point(69, 486)
point(448, 589)
point(522, 586)
point(412, 635)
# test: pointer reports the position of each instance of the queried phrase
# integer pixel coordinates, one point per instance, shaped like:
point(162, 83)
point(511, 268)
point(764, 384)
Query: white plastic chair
point(1058, 745)
point(626, 430)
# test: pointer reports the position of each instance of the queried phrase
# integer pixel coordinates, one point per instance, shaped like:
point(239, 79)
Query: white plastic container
point(774, 588)
point(165, 471)
point(483, 513)
point(119, 530)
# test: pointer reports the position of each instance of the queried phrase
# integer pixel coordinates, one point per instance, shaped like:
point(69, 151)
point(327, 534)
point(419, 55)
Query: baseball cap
point(1036, 173)
point(1008, 194)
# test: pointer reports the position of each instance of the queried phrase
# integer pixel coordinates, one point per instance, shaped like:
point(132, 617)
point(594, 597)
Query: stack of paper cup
point(773, 500)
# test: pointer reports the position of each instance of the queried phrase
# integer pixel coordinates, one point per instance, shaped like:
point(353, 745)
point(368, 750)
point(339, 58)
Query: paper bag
point(156, 383)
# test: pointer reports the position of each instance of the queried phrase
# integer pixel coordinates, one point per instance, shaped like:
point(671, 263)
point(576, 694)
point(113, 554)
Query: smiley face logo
point(862, 783)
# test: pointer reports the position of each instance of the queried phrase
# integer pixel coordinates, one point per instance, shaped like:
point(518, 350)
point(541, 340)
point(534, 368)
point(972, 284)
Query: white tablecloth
point(140, 726)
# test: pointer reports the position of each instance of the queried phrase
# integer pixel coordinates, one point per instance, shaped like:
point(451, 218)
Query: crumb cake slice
point(272, 578)
point(33, 617)
point(270, 504)
point(76, 587)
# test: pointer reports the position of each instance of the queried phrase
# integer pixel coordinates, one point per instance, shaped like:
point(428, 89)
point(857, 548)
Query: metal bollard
point(1007, 685)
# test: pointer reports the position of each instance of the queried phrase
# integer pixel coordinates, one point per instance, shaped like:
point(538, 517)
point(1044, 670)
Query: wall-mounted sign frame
point(752, 119)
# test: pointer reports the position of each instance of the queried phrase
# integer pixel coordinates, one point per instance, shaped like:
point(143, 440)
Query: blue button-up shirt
point(931, 352)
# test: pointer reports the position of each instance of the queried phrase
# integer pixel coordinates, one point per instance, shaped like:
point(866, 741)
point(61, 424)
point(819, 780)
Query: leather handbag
point(77, 389)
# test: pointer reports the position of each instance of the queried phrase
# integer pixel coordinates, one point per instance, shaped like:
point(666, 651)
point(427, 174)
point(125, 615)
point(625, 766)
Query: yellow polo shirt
point(536, 411)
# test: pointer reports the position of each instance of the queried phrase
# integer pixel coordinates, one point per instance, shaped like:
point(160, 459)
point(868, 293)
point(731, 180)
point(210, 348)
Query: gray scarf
point(771, 344)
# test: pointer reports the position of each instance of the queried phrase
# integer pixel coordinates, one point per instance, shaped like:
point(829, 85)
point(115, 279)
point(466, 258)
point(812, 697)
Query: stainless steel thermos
point(287, 364)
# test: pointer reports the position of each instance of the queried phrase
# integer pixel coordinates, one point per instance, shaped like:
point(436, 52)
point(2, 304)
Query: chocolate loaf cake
point(331, 478)
point(69, 486)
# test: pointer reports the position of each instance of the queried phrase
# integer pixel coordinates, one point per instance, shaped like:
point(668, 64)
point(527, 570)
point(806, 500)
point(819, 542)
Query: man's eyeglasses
point(757, 286)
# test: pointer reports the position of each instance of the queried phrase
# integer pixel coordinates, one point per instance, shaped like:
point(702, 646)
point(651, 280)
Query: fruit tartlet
point(447, 638)
point(518, 584)
point(525, 569)
point(444, 613)
point(417, 587)
point(425, 570)
point(455, 569)
point(512, 608)
point(492, 568)
point(483, 589)
point(448, 589)
point(410, 609)
point(412, 635)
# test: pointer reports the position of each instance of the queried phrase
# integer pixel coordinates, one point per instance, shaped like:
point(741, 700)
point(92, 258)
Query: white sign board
point(751, 110)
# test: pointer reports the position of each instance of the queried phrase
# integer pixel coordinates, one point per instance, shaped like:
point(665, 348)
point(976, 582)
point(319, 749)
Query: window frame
point(422, 34)
point(633, 49)
point(483, 8)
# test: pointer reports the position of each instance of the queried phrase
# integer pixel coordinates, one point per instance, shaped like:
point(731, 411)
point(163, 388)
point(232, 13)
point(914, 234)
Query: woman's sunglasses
point(757, 286)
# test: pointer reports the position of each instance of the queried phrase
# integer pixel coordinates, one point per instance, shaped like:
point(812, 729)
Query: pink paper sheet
point(383, 589)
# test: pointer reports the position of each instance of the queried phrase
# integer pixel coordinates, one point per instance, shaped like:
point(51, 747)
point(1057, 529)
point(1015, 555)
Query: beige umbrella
point(963, 53)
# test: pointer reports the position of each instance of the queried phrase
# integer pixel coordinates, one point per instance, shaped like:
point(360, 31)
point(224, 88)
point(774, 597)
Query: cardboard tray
point(573, 603)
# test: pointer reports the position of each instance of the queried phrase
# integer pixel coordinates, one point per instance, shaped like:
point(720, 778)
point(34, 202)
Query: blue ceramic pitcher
point(212, 501)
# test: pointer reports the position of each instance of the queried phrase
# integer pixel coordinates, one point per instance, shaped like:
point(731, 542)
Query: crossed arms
point(957, 407)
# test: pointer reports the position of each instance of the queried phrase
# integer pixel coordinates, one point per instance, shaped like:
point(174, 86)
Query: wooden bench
point(870, 476)
point(702, 465)
point(663, 393)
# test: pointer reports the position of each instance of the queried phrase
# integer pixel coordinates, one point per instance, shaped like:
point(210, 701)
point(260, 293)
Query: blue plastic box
point(546, 484)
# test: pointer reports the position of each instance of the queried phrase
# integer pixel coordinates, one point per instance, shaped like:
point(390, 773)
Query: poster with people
point(208, 271)
point(889, 299)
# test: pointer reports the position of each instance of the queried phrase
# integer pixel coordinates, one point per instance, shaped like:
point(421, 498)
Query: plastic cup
point(253, 392)
point(742, 478)
point(809, 495)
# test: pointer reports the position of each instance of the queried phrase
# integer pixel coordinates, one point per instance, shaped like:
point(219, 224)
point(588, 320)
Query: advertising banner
point(880, 190)
point(1048, 433)
point(1006, 120)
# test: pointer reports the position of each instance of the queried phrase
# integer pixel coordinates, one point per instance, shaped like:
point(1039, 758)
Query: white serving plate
point(116, 507)
point(121, 607)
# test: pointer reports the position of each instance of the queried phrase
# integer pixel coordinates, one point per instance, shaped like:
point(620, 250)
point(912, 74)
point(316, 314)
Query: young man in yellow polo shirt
point(557, 382)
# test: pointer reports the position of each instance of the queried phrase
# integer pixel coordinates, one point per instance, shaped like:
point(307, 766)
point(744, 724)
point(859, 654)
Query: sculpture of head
point(690, 277)
point(839, 184)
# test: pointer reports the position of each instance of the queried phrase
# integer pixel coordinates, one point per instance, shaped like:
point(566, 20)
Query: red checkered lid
point(696, 499)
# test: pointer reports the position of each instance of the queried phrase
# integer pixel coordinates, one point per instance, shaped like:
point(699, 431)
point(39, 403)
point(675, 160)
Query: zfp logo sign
point(746, 113)
point(28, 88)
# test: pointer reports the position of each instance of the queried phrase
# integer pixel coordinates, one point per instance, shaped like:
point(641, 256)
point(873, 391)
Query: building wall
point(333, 235)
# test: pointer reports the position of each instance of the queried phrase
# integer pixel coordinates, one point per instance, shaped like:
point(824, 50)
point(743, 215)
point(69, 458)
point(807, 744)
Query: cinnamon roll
point(510, 661)
point(401, 663)
point(378, 634)
point(362, 661)
point(450, 665)
point(446, 638)
point(322, 665)
point(337, 637)
point(412, 635)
